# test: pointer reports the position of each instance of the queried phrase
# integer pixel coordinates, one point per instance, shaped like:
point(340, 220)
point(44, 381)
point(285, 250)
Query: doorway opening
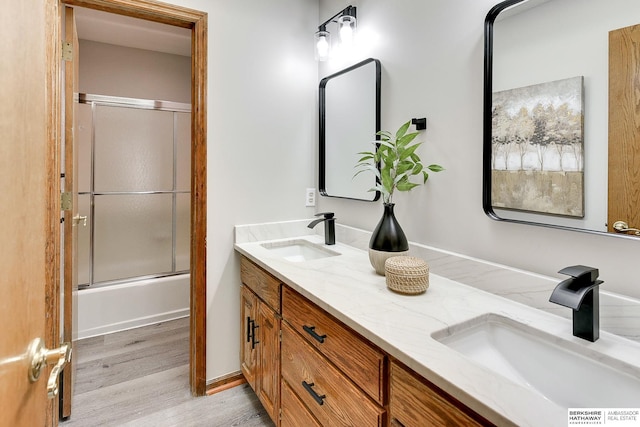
point(196, 22)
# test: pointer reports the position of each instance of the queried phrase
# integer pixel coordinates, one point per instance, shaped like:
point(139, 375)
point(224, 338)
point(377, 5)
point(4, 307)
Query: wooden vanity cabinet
point(328, 393)
point(293, 413)
point(309, 369)
point(260, 335)
point(248, 349)
point(414, 402)
point(337, 375)
point(351, 353)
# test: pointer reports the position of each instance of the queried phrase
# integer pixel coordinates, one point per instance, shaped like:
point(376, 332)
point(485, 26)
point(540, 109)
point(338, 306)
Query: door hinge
point(66, 201)
point(67, 51)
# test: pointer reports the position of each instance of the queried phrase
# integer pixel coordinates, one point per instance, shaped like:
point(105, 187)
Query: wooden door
point(29, 209)
point(624, 128)
point(268, 387)
point(72, 219)
point(248, 350)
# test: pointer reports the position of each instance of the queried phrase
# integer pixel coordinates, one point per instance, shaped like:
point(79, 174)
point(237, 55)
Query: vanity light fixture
point(347, 24)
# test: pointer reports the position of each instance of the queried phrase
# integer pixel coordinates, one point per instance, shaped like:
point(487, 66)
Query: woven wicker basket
point(407, 275)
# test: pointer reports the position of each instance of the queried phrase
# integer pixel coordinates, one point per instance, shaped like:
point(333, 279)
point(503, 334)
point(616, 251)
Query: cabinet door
point(268, 331)
point(414, 403)
point(248, 349)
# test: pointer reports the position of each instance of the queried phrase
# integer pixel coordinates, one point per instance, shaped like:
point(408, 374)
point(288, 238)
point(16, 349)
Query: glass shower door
point(137, 188)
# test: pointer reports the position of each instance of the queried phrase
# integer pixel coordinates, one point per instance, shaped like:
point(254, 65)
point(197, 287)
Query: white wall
point(432, 65)
point(261, 140)
point(106, 69)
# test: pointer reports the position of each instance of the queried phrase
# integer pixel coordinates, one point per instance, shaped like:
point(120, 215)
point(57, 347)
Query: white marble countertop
point(347, 287)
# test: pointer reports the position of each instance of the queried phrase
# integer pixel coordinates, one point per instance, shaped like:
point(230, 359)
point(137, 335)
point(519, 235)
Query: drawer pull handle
point(312, 392)
point(253, 334)
point(311, 330)
point(249, 321)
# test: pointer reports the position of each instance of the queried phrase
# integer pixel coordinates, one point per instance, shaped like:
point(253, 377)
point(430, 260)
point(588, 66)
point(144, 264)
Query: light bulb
point(346, 35)
point(347, 28)
point(323, 45)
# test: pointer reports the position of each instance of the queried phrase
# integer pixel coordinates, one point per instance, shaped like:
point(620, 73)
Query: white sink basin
point(299, 250)
point(559, 370)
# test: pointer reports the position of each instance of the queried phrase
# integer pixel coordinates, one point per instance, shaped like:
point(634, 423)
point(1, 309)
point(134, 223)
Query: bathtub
point(114, 308)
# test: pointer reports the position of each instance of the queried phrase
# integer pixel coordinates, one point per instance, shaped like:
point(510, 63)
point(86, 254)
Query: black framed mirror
point(349, 103)
point(556, 87)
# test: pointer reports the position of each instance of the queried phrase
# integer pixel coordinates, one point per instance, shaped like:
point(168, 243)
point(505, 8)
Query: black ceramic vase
point(387, 240)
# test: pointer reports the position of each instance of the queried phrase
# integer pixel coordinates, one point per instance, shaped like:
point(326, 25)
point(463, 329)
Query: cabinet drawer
point(347, 350)
point(330, 396)
point(262, 283)
point(413, 403)
point(293, 411)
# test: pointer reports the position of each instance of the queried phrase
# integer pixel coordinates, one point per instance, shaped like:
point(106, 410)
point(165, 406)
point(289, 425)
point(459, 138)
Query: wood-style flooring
point(140, 378)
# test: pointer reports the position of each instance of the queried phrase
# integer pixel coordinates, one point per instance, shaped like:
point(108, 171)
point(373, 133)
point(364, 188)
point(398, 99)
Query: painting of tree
point(538, 147)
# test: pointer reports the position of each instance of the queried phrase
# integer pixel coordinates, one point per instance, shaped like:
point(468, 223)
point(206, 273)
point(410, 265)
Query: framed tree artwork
point(538, 148)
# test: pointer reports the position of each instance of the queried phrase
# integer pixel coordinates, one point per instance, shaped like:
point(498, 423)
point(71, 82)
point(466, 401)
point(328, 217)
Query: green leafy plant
point(398, 162)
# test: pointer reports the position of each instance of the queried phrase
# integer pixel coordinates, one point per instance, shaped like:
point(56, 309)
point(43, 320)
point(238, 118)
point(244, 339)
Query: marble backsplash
point(619, 315)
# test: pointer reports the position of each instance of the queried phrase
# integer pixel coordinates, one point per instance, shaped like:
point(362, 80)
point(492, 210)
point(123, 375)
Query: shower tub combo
point(134, 180)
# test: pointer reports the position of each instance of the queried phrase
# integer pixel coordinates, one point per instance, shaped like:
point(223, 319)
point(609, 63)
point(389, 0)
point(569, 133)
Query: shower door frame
point(96, 101)
point(196, 21)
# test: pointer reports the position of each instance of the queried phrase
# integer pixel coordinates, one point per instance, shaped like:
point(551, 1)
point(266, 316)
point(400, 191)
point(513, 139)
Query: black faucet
point(329, 227)
point(581, 293)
